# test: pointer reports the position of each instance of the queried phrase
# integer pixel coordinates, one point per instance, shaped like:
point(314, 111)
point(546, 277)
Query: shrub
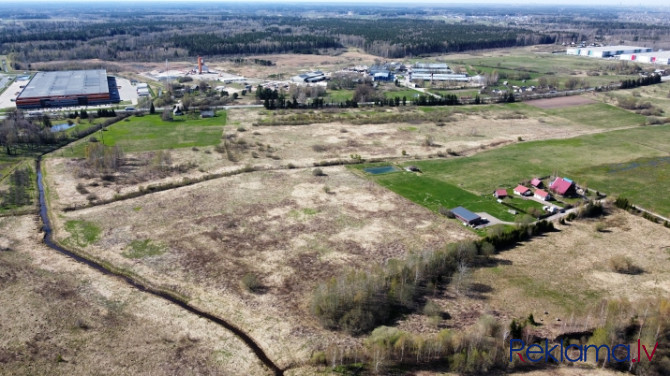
point(81, 189)
point(319, 148)
point(318, 172)
point(624, 265)
point(600, 227)
point(241, 129)
point(432, 309)
point(250, 283)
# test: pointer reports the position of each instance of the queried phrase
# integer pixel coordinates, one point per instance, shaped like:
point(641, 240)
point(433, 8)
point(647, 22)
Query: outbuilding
point(500, 193)
point(521, 190)
point(563, 186)
point(466, 216)
point(542, 195)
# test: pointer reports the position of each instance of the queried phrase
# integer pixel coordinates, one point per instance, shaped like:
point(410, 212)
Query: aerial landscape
point(334, 188)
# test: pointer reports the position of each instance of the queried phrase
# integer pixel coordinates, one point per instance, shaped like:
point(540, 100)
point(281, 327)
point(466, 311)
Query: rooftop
point(465, 214)
point(64, 83)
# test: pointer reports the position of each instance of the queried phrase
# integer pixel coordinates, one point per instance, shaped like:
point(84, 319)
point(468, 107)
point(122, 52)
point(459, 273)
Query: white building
point(609, 51)
point(660, 57)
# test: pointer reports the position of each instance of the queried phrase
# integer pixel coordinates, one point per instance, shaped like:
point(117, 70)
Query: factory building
point(435, 72)
point(309, 77)
point(660, 57)
point(69, 88)
point(609, 51)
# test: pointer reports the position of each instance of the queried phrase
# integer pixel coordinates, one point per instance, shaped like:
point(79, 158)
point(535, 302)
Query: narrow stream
point(46, 227)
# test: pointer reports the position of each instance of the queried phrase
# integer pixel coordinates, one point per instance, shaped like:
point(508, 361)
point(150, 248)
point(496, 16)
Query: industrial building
point(310, 77)
point(660, 57)
point(435, 72)
point(69, 88)
point(466, 216)
point(609, 51)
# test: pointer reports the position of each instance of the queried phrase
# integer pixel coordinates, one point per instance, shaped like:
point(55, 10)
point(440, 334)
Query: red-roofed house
point(521, 190)
point(563, 187)
point(500, 193)
point(537, 183)
point(542, 195)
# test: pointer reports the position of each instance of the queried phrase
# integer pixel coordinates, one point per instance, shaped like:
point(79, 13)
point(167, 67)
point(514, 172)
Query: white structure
point(660, 57)
point(609, 51)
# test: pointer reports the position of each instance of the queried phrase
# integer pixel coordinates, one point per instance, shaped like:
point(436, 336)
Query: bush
point(600, 227)
point(250, 283)
point(624, 265)
point(318, 172)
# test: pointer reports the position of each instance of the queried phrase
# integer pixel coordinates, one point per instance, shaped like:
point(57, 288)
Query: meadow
point(150, 132)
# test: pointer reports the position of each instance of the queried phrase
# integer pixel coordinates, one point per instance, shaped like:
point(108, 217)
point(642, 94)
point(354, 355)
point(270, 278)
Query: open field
point(433, 194)
point(149, 132)
point(327, 135)
point(205, 238)
point(597, 161)
point(560, 102)
point(61, 317)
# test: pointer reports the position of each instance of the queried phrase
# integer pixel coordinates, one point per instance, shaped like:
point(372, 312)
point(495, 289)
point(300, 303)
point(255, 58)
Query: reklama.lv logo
point(576, 353)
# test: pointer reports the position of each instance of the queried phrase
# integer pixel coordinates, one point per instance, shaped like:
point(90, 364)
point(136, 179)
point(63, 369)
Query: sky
point(647, 3)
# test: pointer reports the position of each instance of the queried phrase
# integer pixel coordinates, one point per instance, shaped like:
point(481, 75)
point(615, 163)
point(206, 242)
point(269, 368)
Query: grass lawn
point(434, 193)
point(599, 115)
point(409, 93)
point(630, 162)
point(337, 96)
point(149, 132)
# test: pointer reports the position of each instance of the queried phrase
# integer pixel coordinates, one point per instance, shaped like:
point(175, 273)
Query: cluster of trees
point(20, 184)
point(17, 132)
point(359, 301)
point(429, 100)
point(106, 113)
point(257, 42)
point(642, 81)
point(103, 158)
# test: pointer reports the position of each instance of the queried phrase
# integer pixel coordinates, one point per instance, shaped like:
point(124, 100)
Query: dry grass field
point(288, 228)
point(566, 274)
point(335, 135)
point(60, 317)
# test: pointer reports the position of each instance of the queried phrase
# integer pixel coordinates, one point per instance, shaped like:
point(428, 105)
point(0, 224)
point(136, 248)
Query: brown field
point(561, 102)
point(566, 274)
point(60, 317)
point(278, 146)
point(285, 227)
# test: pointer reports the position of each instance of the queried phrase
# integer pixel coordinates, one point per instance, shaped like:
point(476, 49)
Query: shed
point(500, 193)
point(537, 183)
point(466, 216)
point(521, 190)
point(542, 195)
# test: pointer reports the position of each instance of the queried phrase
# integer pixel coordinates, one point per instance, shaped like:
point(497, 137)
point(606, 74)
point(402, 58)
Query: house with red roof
point(521, 190)
point(500, 193)
point(542, 195)
point(537, 183)
point(563, 186)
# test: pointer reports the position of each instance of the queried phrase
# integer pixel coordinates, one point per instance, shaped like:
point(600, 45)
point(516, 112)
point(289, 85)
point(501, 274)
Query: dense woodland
point(134, 34)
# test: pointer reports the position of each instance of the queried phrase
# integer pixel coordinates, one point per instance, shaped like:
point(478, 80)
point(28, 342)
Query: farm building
point(542, 195)
point(310, 77)
point(521, 190)
point(435, 72)
point(69, 88)
point(609, 51)
point(466, 216)
point(500, 193)
point(660, 57)
point(537, 183)
point(563, 186)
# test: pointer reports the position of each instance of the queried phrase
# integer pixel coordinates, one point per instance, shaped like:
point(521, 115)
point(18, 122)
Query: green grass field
point(338, 96)
point(598, 115)
point(409, 93)
point(151, 133)
point(597, 161)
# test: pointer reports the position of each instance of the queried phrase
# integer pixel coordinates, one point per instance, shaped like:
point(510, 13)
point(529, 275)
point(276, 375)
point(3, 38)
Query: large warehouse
point(608, 51)
point(660, 57)
point(69, 88)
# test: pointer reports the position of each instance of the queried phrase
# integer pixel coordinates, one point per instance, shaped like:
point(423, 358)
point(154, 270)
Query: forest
point(179, 31)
